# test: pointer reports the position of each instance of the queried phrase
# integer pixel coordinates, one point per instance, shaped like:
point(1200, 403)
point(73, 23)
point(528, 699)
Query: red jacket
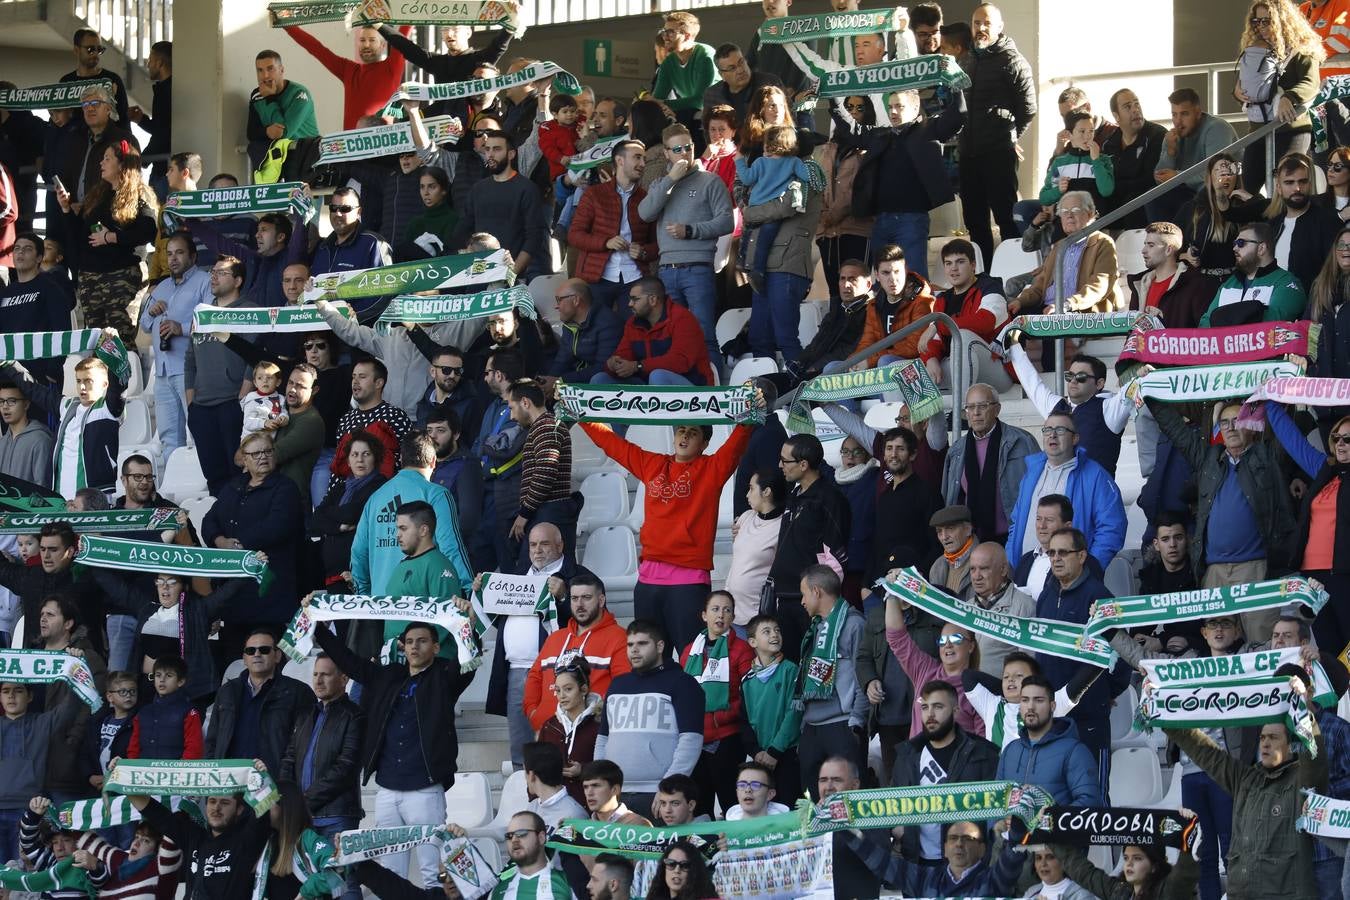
point(727, 722)
point(674, 343)
point(366, 87)
point(557, 140)
point(605, 646)
point(681, 498)
point(982, 310)
point(597, 219)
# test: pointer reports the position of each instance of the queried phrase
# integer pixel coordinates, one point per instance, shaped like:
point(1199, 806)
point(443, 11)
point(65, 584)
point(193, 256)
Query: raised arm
point(1309, 459)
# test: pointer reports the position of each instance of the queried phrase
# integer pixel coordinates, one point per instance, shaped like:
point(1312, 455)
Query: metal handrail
point(1211, 71)
point(1266, 132)
point(958, 365)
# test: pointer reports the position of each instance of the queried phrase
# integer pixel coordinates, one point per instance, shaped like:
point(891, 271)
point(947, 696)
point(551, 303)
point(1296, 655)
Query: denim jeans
point(394, 808)
point(776, 314)
point(1023, 212)
point(518, 726)
point(695, 288)
point(1214, 807)
point(349, 823)
point(1327, 873)
point(121, 637)
point(170, 415)
point(318, 479)
point(215, 431)
point(614, 295)
point(9, 834)
point(907, 229)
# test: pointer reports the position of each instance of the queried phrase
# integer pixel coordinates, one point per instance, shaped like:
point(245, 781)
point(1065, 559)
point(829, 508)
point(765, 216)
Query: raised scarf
point(796, 29)
point(1201, 603)
point(96, 521)
point(893, 75)
point(172, 559)
point(298, 641)
point(193, 778)
point(1114, 826)
point(48, 666)
point(61, 95)
point(1203, 670)
point(563, 82)
point(660, 405)
point(263, 319)
point(1228, 702)
point(25, 345)
point(712, 669)
point(478, 13)
point(459, 307)
point(460, 270)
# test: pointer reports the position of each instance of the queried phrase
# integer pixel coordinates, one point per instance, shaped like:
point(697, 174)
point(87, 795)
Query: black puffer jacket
point(1001, 99)
point(336, 788)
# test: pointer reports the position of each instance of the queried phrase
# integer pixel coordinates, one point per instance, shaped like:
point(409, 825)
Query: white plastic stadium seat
point(136, 426)
point(136, 387)
point(514, 799)
point(468, 802)
point(1136, 779)
point(730, 323)
point(541, 289)
point(882, 416)
point(1130, 251)
point(611, 553)
point(586, 457)
point(197, 508)
point(183, 476)
point(752, 367)
point(1010, 260)
point(812, 313)
point(606, 503)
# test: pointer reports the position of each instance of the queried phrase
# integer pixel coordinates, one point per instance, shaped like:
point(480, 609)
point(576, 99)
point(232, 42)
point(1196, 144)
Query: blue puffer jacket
point(1098, 511)
point(1058, 762)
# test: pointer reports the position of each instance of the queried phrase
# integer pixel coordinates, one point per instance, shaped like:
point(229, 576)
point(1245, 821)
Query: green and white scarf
point(659, 405)
point(1185, 384)
point(589, 837)
point(563, 82)
point(262, 320)
point(820, 654)
point(384, 140)
point(1073, 325)
point(1324, 816)
point(1231, 702)
point(88, 815)
point(1202, 603)
point(359, 845)
point(712, 669)
point(96, 521)
point(1335, 87)
point(64, 876)
point(462, 270)
point(172, 559)
point(933, 804)
point(458, 307)
point(796, 29)
point(599, 153)
point(193, 778)
point(25, 345)
point(47, 667)
point(25, 496)
point(1062, 639)
point(479, 13)
point(910, 378)
point(61, 95)
point(1261, 663)
point(287, 197)
point(298, 641)
point(895, 75)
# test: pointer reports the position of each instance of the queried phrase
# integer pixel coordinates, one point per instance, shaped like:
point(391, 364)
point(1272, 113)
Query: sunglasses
point(681, 148)
point(1338, 167)
point(344, 208)
point(1340, 438)
point(165, 582)
point(519, 834)
point(258, 651)
point(1058, 553)
point(1078, 377)
point(855, 107)
point(316, 345)
point(1239, 243)
point(94, 48)
point(1259, 21)
point(681, 865)
point(955, 640)
point(451, 370)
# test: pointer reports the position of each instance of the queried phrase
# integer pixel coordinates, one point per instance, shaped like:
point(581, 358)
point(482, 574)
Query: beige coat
point(1098, 288)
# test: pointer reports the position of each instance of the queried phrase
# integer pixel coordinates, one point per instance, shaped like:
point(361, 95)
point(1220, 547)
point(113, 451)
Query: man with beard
point(943, 753)
point(1169, 287)
point(277, 108)
point(1134, 150)
point(611, 878)
point(457, 470)
point(1305, 232)
point(615, 246)
point(449, 387)
point(905, 505)
point(508, 206)
point(299, 440)
point(1259, 290)
point(366, 85)
point(350, 245)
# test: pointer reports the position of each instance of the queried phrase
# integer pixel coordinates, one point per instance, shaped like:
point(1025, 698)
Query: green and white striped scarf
point(461, 270)
point(712, 669)
point(172, 559)
point(1073, 325)
point(298, 641)
point(459, 307)
point(1186, 384)
point(1201, 603)
point(384, 140)
point(262, 319)
point(25, 345)
point(1227, 702)
point(599, 153)
point(546, 884)
point(1324, 816)
point(659, 405)
point(478, 13)
point(88, 815)
point(910, 378)
point(93, 521)
point(287, 197)
point(563, 82)
point(1202, 670)
point(48, 666)
point(359, 845)
point(891, 76)
point(193, 778)
point(796, 29)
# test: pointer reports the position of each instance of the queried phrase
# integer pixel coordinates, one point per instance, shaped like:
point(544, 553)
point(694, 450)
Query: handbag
point(768, 598)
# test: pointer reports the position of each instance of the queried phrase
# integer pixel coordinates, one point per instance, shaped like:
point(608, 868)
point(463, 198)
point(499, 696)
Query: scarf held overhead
point(48, 666)
point(172, 559)
point(1061, 325)
point(1060, 639)
point(563, 81)
point(461, 270)
point(1095, 826)
point(384, 140)
point(62, 95)
point(895, 75)
point(1220, 346)
point(96, 521)
point(262, 320)
point(289, 197)
point(1186, 384)
point(193, 778)
point(910, 378)
point(459, 307)
point(1203, 669)
point(25, 345)
point(484, 13)
point(795, 29)
point(599, 153)
point(298, 641)
point(1231, 702)
point(1202, 603)
point(668, 405)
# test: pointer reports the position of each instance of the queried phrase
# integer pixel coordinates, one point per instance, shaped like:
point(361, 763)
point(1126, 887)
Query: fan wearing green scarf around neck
point(719, 660)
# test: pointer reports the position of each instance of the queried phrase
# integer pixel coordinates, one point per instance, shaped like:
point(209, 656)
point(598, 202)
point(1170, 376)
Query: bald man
point(591, 334)
point(520, 637)
point(991, 588)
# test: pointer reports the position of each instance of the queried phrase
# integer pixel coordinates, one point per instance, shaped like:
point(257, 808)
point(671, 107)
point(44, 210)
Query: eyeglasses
point(258, 651)
point(1056, 431)
point(138, 477)
point(855, 453)
point(559, 298)
point(123, 692)
point(94, 48)
point(976, 407)
point(165, 582)
point(91, 104)
point(1342, 245)
point(965, 838)
point(343, 208)
point(519, 834)
point(258, 454)
point(1239, 243)
point(955, 640)
point(1078, 377)
point(750, 785)
point(1058, 552)
point(1227, 424)
point(1338, 167)
point(1074, 211)
point(222, 273)
point(316, 345)
point(681, 865)
point(680, 148)
point(1340, 438)
point(788, 462)
point(1259, 21)
point(451, 370)
point(731, 68)
point(10, 401)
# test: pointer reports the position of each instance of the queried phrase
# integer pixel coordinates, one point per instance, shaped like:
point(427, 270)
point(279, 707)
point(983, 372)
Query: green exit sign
point(598, 58)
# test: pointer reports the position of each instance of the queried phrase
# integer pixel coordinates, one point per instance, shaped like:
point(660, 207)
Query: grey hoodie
point(28, 454)
point(700, 200)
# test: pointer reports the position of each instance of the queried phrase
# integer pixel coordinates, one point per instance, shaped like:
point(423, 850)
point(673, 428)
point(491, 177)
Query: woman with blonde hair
point(1278, 64)
point(1211, 220)
point(118, 215)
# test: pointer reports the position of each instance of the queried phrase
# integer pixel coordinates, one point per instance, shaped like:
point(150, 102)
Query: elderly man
point(739, 84)
point(956, 536)
point(1091, 267)
point(591, 333)
point(986, 482)
point(1065, 468)
point(991, 588)
point(1053, 512)
point(104, 127)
